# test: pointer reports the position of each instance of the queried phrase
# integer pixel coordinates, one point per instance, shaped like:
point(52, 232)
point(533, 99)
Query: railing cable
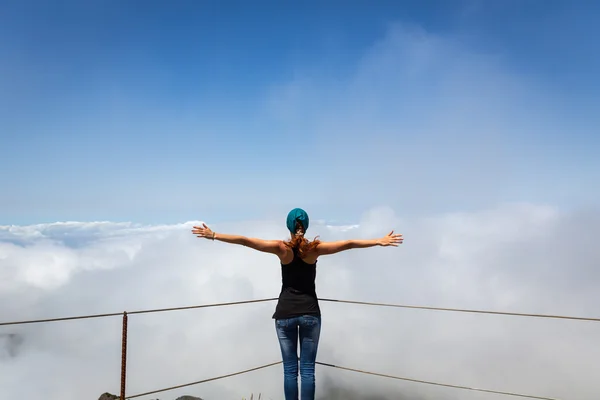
point(204, 380)
point(436, 383)
point(134, 312)
point(464, 310)
point(35, 321)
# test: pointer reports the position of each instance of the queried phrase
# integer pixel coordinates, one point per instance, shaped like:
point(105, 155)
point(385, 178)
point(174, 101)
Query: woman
point(297, 314)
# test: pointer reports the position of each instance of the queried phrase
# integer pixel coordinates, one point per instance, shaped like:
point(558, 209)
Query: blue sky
point(156, 112)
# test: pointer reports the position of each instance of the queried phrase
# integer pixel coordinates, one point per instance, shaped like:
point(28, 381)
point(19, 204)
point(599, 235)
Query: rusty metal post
point(124, 356)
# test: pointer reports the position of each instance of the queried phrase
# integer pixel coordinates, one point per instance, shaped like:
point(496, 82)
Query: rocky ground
point(108, 396)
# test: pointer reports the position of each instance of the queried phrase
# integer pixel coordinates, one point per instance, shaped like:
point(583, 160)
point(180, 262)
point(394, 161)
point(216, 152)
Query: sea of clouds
point(516, 257)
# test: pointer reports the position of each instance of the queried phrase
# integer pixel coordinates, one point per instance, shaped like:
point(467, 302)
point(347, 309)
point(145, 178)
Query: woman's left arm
point(276, 247)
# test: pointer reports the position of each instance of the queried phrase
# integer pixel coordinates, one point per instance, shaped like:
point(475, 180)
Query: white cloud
point(508, 258)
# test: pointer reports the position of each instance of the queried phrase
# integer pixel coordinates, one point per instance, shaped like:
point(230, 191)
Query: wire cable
point(135, 312)
point(231, 303)
point(204, 380)
point(320, 299)
point(463, 310)
point(35, 321)
point(436, 383)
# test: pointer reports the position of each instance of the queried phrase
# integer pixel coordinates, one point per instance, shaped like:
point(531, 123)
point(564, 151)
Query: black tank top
point(298, 294)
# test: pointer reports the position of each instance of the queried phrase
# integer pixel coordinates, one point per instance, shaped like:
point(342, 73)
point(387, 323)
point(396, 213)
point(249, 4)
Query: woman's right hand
point(391, 239)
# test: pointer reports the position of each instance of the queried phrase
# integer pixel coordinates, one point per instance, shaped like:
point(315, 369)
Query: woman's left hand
point(203, 231)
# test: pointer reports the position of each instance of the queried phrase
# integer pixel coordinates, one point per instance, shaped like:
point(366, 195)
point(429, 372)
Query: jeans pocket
point(310, 320)
point(281, 323)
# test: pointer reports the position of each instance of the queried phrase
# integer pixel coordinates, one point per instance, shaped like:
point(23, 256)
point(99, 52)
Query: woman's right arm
point(391, 239)
point(276, 247)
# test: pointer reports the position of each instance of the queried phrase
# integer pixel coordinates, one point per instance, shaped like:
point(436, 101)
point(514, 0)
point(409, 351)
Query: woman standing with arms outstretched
point(297, 314)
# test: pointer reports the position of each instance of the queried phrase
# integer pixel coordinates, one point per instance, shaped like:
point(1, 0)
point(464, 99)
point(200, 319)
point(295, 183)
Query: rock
point(108, 396)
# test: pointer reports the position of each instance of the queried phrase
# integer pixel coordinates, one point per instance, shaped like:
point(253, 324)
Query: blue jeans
point(307, 328)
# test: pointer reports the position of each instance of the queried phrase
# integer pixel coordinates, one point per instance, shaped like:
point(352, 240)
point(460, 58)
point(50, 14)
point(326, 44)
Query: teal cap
point(297, 214)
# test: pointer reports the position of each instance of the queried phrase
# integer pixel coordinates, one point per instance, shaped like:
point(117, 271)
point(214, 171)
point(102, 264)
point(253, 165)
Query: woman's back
point(298, 290)
point(299, 275)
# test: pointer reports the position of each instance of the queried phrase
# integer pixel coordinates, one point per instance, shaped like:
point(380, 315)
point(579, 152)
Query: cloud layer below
point(516, 257)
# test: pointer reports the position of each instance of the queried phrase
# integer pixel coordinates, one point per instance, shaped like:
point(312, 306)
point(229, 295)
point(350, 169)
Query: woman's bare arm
point(276, 247)
point(391, 239)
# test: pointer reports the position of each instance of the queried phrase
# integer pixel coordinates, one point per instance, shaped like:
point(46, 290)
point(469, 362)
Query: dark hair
point(300, 243)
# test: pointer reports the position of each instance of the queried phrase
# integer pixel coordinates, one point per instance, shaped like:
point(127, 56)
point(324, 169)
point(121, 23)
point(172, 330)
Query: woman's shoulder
point(287, 255)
